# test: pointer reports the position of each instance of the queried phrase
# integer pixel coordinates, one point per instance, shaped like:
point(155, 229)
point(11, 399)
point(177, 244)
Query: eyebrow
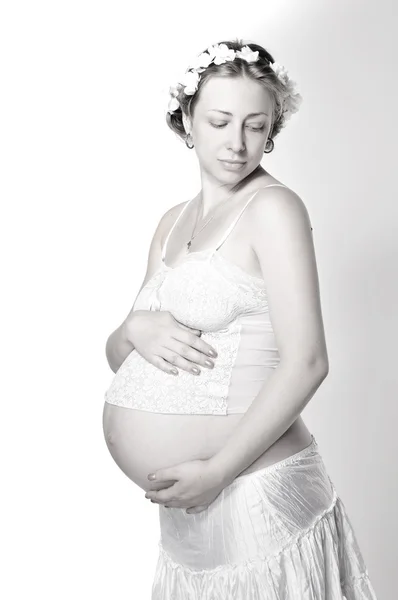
point(230, 114)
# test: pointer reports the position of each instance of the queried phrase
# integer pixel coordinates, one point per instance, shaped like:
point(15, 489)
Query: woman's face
point(232, 120)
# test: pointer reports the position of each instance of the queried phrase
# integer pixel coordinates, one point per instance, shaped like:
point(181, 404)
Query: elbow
point(320, 366)
point(316, 366)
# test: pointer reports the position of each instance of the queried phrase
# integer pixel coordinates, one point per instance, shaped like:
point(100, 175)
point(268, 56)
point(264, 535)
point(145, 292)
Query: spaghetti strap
point(230, 228)
point(172, 227)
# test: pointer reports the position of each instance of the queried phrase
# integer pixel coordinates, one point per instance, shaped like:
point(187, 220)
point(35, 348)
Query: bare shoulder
point(156, 245)
point(281, 238)
point(280, 228)
point(169, 217)
point(277, 200)
point(174, 211)
point(275, 208)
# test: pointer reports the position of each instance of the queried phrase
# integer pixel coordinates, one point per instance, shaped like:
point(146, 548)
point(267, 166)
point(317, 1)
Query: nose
point(237, 141)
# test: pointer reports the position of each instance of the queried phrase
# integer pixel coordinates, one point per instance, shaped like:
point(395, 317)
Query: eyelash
point(224, 124)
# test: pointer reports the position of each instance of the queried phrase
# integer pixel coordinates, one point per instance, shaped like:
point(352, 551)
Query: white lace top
point(205, 291)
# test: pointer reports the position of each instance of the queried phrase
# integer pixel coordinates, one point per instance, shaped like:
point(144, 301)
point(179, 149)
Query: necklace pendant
point(189, 244)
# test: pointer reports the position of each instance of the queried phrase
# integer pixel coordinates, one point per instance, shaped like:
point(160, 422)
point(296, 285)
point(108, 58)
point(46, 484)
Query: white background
point(88, 167)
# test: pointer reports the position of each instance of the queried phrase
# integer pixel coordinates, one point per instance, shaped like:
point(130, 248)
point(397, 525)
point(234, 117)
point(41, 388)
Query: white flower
point(173, 105)
point(212, 51)
point(174, 90)
point(202, 61)
point(247, 54)
point(280, 72)
point(222, 54)
point(219, 54)
point(292, 100)
point(190, 82)
point(291, 105)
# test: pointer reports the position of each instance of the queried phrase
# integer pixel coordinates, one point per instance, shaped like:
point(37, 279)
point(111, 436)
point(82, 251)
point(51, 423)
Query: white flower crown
point(220, 53)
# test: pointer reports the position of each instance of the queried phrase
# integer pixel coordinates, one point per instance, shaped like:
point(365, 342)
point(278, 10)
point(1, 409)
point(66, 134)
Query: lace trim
point(139, 384)
point(205, 298)
point(252, 289)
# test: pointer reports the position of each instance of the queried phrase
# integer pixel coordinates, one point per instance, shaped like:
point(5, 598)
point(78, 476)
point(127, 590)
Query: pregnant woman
point(221, 352)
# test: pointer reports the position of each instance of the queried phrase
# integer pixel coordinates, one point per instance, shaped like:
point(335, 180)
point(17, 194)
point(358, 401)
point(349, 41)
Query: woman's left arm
point(283, 242)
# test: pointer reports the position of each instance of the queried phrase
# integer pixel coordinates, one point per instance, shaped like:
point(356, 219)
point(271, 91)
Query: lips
point(234, 162)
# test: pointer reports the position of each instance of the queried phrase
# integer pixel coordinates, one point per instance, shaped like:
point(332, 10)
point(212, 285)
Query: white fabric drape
point(280, 533)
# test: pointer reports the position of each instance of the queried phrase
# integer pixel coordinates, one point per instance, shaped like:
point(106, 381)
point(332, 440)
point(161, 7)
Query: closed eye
point(224, 124)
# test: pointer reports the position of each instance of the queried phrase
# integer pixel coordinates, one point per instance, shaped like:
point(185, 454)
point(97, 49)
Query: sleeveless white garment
point(208, 292)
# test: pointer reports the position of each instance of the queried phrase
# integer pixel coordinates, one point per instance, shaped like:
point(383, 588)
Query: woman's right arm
point(118, 347)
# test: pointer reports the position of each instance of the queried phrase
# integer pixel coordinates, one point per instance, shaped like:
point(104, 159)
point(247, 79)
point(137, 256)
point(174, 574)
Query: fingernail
point(212, 353)
point(151, 476)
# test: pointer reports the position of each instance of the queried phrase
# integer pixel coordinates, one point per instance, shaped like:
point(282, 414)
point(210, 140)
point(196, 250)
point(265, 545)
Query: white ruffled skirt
point(280, 533)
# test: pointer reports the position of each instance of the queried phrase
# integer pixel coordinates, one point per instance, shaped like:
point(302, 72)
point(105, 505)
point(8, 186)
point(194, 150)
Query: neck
point(213, 194)
point(206, 207)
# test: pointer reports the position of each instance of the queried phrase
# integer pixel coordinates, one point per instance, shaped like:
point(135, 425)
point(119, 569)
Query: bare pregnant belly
point(141, 442)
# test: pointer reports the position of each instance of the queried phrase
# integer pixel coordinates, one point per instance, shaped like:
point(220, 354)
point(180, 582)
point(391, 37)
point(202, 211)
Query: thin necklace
point(208, 221)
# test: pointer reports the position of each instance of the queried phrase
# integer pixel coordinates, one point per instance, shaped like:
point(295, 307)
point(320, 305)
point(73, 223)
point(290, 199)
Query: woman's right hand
point(166, 343)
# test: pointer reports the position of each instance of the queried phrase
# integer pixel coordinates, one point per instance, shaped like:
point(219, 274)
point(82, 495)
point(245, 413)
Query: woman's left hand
point(197, 485)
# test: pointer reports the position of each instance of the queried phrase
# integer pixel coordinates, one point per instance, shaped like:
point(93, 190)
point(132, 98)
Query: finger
point(195, 341)
point(196, 509)
point(167, 474)
point(160, 485)
point(168, 505)
point(161, 496)
point(176, 354)
point(186, 357)
point(160, 363)
point(189, 329)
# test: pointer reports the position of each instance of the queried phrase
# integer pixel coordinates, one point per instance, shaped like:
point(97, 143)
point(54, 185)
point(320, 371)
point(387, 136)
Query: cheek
point(207, 145)
point(206, 155)
point(208, 138)
point(259, 144)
